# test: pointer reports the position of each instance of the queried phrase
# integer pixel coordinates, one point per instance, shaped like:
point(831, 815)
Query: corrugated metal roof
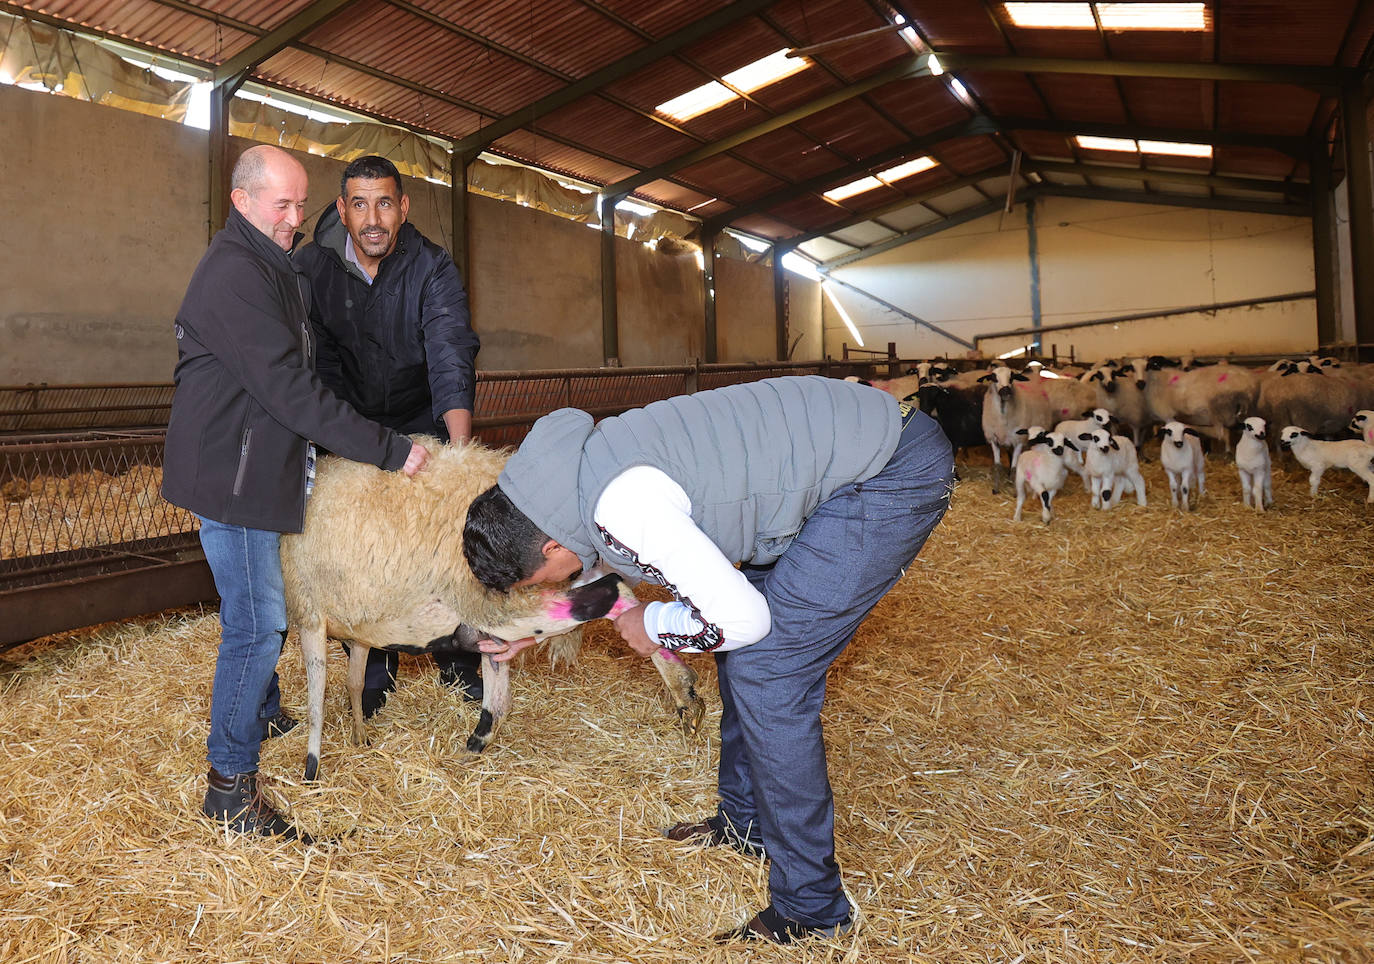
point(455, 67)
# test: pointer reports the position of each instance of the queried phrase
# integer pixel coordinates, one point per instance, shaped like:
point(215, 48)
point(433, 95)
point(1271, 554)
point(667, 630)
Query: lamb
point(1117, 392)
point(1041, 468)
point(1110, 458)
point(1363, 422)
point(1253, 464)
point(1072, 428)
point(1317, 456)
point(380, 563)
point(1181, 453)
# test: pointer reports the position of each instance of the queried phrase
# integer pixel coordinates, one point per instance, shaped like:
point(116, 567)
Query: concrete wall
point(1097, 259)
point(109, 218)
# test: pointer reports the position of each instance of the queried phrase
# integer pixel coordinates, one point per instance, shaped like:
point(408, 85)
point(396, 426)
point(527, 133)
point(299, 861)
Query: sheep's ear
point(1071, 445)
point(1021, 431)
point(1018, 377)
point(1087, 413)
point(1114, 445)
point(1192, 432)
point(987, 378)
point(1085, 436)
point(1096, 377)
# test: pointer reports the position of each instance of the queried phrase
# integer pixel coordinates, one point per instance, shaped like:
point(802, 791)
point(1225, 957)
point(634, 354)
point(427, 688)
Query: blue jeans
point(774, 784)
point(252, 613)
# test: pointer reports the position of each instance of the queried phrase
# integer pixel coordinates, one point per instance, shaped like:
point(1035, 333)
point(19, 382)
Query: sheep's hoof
point(312, 767)
point(482, 734)
point(690, 714)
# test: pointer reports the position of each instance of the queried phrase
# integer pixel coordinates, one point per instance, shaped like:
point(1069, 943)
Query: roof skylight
point(889, 176)
point(1176, 15)
point(750, 77)
point(1129, 146)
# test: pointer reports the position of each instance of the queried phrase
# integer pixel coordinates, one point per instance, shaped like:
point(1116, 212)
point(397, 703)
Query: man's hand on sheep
point(630, 625)
point(504, 652)
point(419, 455)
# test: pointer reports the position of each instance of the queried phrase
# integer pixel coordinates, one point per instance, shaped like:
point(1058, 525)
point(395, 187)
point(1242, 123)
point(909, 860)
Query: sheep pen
point(1126, 736)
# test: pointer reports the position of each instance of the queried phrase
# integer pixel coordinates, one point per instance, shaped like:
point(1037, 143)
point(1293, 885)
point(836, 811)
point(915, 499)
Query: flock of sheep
point(1092, 422)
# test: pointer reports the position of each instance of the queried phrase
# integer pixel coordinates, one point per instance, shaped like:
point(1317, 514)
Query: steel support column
point(1324, 260)
point(221, 96)
point(780, 300)
point(610, 317)
point(1034, 253)
point(458, 163)
point(708, 290)
point(1361, 188)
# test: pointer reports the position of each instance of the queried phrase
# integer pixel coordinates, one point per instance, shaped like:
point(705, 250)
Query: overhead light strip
point(886, 177)
point(1127, 145)
point(1179, 15)
point(749, 78)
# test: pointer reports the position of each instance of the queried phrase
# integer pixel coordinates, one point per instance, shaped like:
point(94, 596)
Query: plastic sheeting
point(67, 65)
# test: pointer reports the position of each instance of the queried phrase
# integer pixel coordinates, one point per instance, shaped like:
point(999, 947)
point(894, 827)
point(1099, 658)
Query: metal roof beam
point(612, 72)
point(1297, 147)
point(991, 206)
point(949, 187)
point(864, 165)
point(1174, 200)
point(1320, 78)
point(913, 67)
point(274, 42)
point(1172, 177)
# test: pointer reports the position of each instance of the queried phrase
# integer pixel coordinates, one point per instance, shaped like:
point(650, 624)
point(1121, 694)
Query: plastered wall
point(109, 218)
point(1096, 259)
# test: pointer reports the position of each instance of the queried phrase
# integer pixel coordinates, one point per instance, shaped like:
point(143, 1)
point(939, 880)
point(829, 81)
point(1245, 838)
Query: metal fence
point(86, 537)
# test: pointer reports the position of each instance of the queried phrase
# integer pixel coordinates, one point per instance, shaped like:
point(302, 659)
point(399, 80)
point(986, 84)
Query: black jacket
point(401, 349)
point(247, 397)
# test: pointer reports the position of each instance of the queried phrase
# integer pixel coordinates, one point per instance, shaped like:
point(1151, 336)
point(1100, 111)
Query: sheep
point(1181, 453)
point(1322, 403)
point(1212, 399)
point(380, 563)
point(1363, 423)
point(1108, 458)
point(1253, 464)
point(1015, 400)
point(1117, 392)
point(1317, 456)
point(1042, 469)
point(1072, 428)
point(958, 410)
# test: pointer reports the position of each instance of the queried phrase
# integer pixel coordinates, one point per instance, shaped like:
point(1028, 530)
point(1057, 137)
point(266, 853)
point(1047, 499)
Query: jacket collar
point(241, 230)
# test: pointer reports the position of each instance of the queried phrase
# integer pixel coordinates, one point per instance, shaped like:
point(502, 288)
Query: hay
point(1129, 736)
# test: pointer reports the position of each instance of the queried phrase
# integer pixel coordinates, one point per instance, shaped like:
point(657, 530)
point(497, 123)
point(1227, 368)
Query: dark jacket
point(401, 349)
point(247, 397)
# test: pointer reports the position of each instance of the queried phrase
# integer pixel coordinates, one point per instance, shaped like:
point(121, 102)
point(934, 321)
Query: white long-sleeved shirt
point(650, 515)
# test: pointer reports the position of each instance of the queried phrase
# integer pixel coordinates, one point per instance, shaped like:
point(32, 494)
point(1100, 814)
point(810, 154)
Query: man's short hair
point(501, 544)
point(371, 168)
point(250, 170)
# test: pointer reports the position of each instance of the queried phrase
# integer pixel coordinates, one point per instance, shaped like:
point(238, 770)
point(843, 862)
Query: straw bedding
point(1130, 736)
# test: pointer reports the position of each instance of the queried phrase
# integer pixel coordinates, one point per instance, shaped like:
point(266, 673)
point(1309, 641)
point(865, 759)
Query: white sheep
point(1117, 391)
point(380, 563)
point(1254, 465)
point(1211, 399)
point(1041, 468)
point(1181, 453)
point(1016, 401)
point(1317, 456)
point(1111, 459)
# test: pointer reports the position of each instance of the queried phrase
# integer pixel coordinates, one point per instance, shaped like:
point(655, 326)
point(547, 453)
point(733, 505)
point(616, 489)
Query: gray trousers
point(774, 784)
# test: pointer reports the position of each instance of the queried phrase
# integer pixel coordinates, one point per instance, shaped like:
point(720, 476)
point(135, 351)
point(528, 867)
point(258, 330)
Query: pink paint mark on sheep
point(561, 609)
point(669, 655)
point(1174, 379)
point(620, 606)
point(1223, 377)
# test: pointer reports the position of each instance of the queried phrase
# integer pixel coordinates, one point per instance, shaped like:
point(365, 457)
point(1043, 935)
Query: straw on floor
point(1139, 735)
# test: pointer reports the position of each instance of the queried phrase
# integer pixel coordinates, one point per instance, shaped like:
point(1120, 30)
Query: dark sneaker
point(462, 675)
point(373, 701)
point(279, 725)
point(238, 802)
point(770, 926)
point(714, 832)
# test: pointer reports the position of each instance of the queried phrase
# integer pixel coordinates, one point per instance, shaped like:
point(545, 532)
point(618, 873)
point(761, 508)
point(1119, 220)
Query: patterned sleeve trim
point(709, 637)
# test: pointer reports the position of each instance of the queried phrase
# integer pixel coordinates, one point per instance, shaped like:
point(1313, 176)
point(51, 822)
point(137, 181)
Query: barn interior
point(1135, 735)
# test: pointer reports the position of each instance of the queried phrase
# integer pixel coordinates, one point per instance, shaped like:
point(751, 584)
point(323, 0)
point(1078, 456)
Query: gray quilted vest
point(755, 459)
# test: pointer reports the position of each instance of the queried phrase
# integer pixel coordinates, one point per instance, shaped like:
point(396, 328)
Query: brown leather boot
point(238, 802)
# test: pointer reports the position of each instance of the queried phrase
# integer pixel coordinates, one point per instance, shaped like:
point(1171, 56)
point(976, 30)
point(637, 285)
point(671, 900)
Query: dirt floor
point(1137, 735)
